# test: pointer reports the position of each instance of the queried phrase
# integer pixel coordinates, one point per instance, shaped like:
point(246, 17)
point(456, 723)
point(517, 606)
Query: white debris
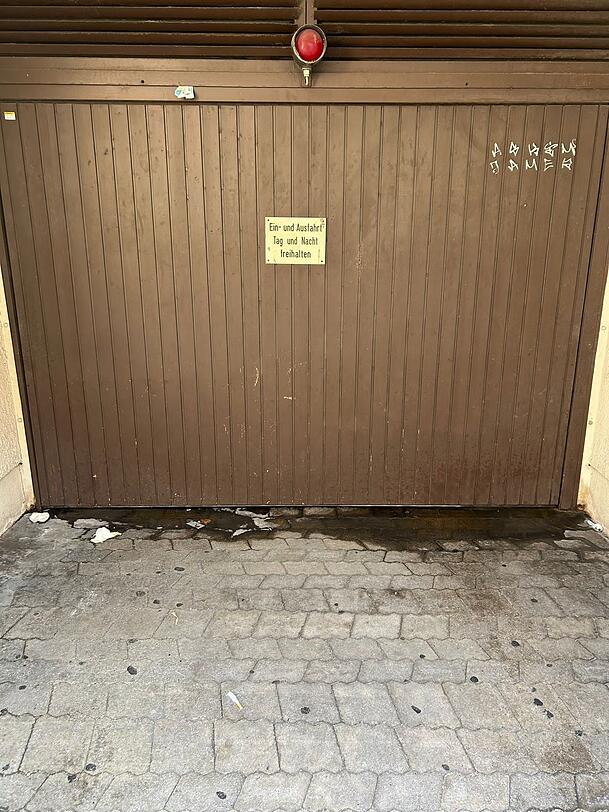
point(250, 514)
point(241, 531)
point(103, 534)
point(39, 518)
point(234, 700)
point(89, 524)
point(595, 525)
point(263, 524)
point(197, 525)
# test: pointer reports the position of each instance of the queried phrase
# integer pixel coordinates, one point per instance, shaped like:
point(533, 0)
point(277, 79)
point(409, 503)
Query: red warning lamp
point(308, 48)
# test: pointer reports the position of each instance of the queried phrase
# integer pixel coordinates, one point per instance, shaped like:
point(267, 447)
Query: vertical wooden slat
point(301, 371)
point(351, 243)
point(426, 143)
point(74, 405)
point(151, 317)
point(366, 305)
point(183, 292)
point(502, 284)
point(333, 301)
point(494, 202)
point(134, 315)
point(453, 282)
point(407, 160)
point(475, 207)
point(317, 297)
point(252, 248)
point(282, 206)
point(212, 183)
point(269, 391)
point(386, 239)
point(197, 241)
point(435, 271)
point(119, 355)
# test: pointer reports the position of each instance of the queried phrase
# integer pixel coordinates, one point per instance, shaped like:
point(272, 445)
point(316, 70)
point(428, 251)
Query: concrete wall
point(594, 485)
point(16, 493)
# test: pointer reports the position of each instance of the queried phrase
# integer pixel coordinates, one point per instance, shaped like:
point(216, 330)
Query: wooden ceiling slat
point(23, 15)
point(152, 26)
point(356, 29)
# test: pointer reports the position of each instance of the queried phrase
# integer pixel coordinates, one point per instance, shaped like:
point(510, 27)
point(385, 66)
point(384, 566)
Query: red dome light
point(309, 44)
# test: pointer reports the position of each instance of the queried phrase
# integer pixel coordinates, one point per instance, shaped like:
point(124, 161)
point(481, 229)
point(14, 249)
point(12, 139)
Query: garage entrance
point(430, 361)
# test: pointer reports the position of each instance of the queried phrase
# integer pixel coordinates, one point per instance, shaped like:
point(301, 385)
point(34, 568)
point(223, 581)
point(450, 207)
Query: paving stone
point(459, 649)
point(265, 649)
point(370, 747)
point(430, 749)
point(197, 702)
point(134, 701)
point(245, 747)
point(411, 792)
point(220, 670)
point(121, 745)
point(332, 671)
point(305, 649)
point(424, 627)
point(559, 627)
point(214, 792)
point(280, 624)
point(17, 789)
point(227, 625)
point(531, 707)
point(309, 747)
point(376, 626)
point(356, 649)
point(56, 744)
point(333, 792)
point(439, 671)
point(14, 736)
point(258, 700)
point(475, 793)
point(137, 793)
point(385, 671)
point(588, 704)
point(25, 698)
point(266, 793)
point(304, 600)
point(278, 671)
point(492, 751)
point(408, 649)
point(423, 704)
point(593, 791)
point(327, 625)
point(365, 703)
point(183, 623)
point(560, 750)
point(182, 746)
point(481, 706)
point(542, 790)
point(305, 701)
point(76, 793)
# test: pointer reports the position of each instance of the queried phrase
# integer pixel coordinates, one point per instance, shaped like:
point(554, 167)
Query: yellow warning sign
point(295, 240)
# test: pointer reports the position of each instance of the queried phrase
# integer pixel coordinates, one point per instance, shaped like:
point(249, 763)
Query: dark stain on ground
point(382, 528)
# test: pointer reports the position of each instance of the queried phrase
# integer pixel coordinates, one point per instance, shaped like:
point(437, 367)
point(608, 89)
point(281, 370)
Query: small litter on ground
point(198, 525)
point(39, 518)
point(103, 534)
point(234, 700)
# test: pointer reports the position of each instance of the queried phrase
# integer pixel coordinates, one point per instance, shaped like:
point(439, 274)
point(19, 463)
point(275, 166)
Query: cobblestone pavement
point(314, 667)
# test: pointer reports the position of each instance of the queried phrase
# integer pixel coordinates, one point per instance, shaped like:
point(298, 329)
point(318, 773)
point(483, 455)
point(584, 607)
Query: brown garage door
point(430, 361)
